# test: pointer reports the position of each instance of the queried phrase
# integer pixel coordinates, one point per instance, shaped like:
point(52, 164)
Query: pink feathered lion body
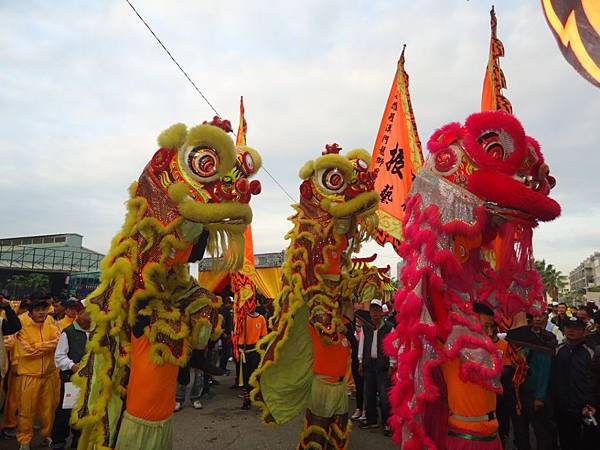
point(468, 231)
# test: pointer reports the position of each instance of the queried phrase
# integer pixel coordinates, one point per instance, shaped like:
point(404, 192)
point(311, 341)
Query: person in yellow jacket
point(34, 347)
point(10, 325)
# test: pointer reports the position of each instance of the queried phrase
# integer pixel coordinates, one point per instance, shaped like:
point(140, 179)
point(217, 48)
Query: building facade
point(54, 256)
point(587, 274)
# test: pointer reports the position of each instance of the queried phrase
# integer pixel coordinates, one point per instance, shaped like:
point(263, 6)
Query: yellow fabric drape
point(268, 280)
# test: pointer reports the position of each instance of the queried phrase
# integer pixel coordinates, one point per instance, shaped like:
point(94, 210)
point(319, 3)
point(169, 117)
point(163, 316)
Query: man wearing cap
point(554, 311)
point(374, 365)
point(34, 348)
point(573, 388)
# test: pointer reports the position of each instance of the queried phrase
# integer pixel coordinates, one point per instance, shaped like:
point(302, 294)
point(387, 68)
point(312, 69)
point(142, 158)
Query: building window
point(60, 239)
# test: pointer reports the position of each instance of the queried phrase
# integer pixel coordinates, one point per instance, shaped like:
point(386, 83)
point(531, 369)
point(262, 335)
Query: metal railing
point(63, 259)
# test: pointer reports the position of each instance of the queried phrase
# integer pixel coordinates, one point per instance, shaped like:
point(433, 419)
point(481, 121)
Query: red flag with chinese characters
point(398, 157)
point(494, 81)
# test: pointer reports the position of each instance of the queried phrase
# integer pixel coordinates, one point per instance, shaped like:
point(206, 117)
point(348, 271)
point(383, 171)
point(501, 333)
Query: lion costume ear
point(173, 137)
point(307, 170)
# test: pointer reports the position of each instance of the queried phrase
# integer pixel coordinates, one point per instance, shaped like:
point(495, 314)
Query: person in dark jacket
point(574, 388)
point(68, 355)
point(374, 365)
point(358, 378)
point(226, 346)
point(533, 393)
point(10, 323)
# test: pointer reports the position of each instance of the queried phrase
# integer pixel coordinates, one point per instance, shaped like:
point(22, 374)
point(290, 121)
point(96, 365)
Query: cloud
point(82, 104)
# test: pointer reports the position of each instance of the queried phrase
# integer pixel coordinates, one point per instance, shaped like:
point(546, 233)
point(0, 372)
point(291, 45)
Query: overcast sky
point(85, 90)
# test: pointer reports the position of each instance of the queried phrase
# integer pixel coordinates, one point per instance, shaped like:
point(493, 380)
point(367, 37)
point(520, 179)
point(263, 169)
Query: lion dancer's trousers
point(147, 423)
point(326, 423)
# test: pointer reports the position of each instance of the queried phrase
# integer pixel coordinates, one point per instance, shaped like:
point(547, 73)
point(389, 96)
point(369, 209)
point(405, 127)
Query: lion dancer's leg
point(151, 390)
point(326, 423)
point(330, 433)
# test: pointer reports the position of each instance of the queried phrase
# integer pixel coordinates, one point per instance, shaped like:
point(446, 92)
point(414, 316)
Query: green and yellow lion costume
point(335, 215)
point(148, 312)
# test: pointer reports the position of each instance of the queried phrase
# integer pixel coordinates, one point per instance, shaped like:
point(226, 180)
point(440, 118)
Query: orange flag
point(398, 157)
point(242, 286)
point(494, 81)
point(243, 127)
point(248, 268)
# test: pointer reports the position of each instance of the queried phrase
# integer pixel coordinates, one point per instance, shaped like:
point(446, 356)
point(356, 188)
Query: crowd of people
point(550, 393)
point(554, 390)
point(43, 342)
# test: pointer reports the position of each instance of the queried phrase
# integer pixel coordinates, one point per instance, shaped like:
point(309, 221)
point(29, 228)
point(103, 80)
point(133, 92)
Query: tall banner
point(494, 81)
point(492, 99)
point(397, 156)
point(242, 286)
point(576, 26)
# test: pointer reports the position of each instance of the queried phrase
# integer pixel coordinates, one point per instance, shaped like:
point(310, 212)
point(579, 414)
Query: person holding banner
point(69, 351)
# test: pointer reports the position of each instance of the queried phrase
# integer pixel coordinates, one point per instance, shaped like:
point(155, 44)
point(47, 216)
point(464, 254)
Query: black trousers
point(225, 353)
point(252, 362)
point(539, 421)
point(505, 404)
point(61, 429)
point(359, 382)
point(573, 434)
point(376, 382)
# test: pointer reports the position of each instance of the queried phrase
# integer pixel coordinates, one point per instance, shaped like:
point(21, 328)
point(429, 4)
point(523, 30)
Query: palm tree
point(38, 281)
point(552, 278)
point(16, 282)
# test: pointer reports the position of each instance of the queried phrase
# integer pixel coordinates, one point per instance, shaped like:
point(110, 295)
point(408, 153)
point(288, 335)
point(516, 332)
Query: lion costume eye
point(203, 162)
point(497, 144)
point(332, 180)
point(248, 163)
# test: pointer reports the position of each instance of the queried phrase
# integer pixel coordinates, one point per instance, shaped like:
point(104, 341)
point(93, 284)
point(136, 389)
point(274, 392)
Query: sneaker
point(9, 433)
point(24, 447)
point(178, 406)
point(387, 431)
point(197, 404)
point(246, 405)
point(46, 442)
point(363, 417)
point(368, 426)
point(356, 415)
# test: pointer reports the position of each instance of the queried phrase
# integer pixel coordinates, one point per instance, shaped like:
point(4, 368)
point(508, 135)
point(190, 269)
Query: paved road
point(221, 425)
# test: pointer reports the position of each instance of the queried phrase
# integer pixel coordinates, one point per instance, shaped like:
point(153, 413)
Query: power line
point(198, 89)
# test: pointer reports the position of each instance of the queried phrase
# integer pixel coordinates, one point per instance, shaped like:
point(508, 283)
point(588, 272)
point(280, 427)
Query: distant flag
point(494, 81)
point(398, 157)
point(243, 127)
point(576, 27)
point(242, 286)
